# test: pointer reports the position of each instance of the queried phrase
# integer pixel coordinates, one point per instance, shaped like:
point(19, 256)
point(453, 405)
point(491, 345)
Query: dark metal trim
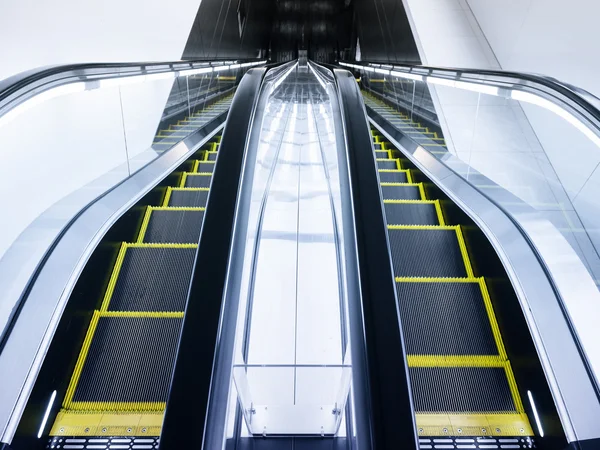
point(187, 405)
point(391, 400)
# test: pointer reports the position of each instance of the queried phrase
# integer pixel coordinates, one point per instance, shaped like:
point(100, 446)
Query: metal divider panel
point(130, 359)
point(427, 252)
point(197, 180)
point(400, 193)
point(460, 390)
point(389, 165)
point(153, 279)
point(188, 198)
point(174, 226)
point(205, 167)
point(445, 318)
point(393, 177)
point(411, 214)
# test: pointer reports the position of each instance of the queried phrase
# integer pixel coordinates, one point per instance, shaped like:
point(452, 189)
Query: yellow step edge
point(116, 406)
point(171, 189)
point(398, 163)
point(473, 424)
point(78, 423)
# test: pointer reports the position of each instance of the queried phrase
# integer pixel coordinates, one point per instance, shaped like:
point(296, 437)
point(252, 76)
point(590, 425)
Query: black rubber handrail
point(393, 422)
point(188, 401)
point(578, 96)
point(17, 86)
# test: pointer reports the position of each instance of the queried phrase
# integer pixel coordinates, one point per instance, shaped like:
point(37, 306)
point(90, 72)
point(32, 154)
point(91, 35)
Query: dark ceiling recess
point(384, 32)
point(322, 27)
point(230, 29)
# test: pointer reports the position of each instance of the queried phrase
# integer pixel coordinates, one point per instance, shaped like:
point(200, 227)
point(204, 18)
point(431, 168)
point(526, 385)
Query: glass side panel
point(66, 146)
point(521, 150)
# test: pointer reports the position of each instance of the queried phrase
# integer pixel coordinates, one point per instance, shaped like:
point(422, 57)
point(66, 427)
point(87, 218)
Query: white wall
point(37, 33)
point(551, 37)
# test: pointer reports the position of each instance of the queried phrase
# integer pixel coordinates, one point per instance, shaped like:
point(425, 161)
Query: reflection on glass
point(521, 150)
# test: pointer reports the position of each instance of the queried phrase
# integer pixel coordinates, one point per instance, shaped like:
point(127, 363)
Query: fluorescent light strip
point(46, 414)
point(408, 76)
point(476, 87)
point(441, 81)
point(317, 76)
point(197, 71)
point(383, 71)
point(220, 68)
point(547, 104)
point(535, 414)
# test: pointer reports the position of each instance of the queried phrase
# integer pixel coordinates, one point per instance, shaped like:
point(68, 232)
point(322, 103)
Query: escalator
point(461, 379)
point(462, 343)
point(118, 390)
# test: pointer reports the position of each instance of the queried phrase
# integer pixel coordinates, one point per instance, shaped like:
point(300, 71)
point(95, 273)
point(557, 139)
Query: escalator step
point(389, 164)
point(405, 192)
point(130, 359)
point(152, 279)
point(188, 197)
point(395, 176)
point(382, 154)
point(174, 226)
point(197, 180)
point(411, 213)
point(205, 167)
point(460, 389)
point(445, 318)
point(426, 252)
point(377, 146)
point(212, 156)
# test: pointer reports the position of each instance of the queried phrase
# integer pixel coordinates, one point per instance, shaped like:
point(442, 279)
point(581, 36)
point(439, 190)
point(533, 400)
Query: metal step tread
point(198, 180)
point(402, 191)
point(172, 225)
point(150, 277)
point(407, 212)
point(193, 197)
point(428, 251)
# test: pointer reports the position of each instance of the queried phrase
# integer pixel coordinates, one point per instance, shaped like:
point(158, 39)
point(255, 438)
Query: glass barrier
point(521, 147)
point(66, 146)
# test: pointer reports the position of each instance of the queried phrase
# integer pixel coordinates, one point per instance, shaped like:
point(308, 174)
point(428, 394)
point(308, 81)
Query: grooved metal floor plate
point(212, 156)
point(175, 226)
point(206, 167)
point(188, 198)
point(411, 214)
point(400, 193)
point(393, 177)
point(426, 253)
point(460, 390)
point(129, 360)
point(445, 318)
point(389, 164)
point(153, 279)
point(197, 180)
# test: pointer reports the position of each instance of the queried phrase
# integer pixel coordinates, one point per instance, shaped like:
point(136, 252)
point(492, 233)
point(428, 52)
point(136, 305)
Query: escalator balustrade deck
point(462, 383)
point(118, 391)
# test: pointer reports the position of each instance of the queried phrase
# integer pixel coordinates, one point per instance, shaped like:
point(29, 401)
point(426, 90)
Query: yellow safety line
point(144, 314)
point(438, 210)
point(167, 196)
point(81, 360)
point(177, 208)
point(490, 424)
point(145, 223)
point(492, 318)
point(490, 361)
point(196, 164)
point(514, 390)
point(422, 191)
point(463, 251)
point(156, 245)
point(117, 406)
point(114, 276)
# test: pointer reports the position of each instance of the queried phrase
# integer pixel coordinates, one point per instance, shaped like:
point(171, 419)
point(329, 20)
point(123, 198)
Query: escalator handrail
point(580, 100)
point(184, 424)
point(20, 87)
point(393, 422)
